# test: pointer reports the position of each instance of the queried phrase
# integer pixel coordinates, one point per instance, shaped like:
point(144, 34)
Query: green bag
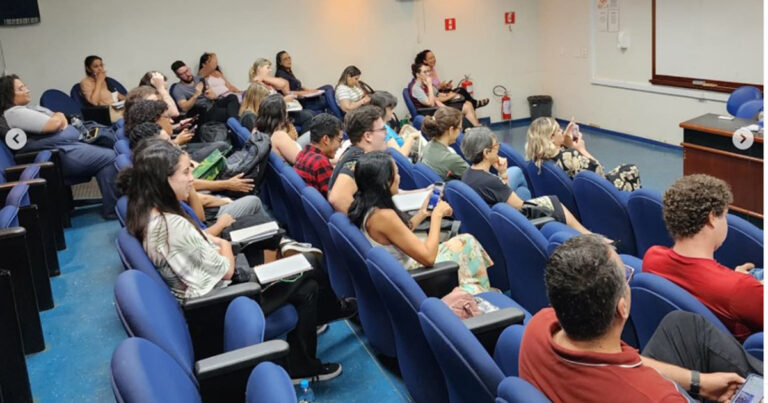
point(211, 166)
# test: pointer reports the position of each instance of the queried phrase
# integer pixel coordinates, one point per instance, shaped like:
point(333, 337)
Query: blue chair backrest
point(525, 248)
point(409, 102)
point(58, 101)
point(749, 109)
point(516, 390)
point(243, 333)
point(77, 96)
point(474, 214)
point(645, 213)
point(604, 209)
point(135, 258)
point(424, 176)
point(416, 121)
point(405, 168)
point(470, 373)
point(143, 373)
point(123, 146)
point(743, 244)
point(275, 189)
point(111, 82)
point(120, 130)
point(402, 297)
point(514, 159)
point(507, 351)
point(330, 100)
point(355, 246)
point(552, 181)
point(121, 209)
point(148, 310)
point(9, 216)
point(123, 161)
point(754, 345)
point(457, 146)
point(269, 383)
point(741, 95)
point(319, 212)
point(292, 185)
point(241, 133)
point(653, 297)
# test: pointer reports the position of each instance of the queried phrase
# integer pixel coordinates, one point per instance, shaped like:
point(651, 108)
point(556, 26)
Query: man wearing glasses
point(366, 132)
point(573, 350)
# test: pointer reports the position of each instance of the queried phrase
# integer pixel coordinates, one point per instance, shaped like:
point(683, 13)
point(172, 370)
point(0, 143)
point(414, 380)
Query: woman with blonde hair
point(260, 73)
point(249, 108)
point(548, 142)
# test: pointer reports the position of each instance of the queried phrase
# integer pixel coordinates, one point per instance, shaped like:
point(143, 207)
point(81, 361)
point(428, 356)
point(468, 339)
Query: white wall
point(381, 37)
point(566, 59)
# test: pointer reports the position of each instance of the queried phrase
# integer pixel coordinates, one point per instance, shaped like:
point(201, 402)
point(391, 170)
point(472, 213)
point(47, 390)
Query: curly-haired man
point(695, 209)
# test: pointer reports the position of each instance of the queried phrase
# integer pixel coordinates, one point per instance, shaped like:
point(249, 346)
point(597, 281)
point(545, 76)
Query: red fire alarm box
point(509, 17)
point(450, 24)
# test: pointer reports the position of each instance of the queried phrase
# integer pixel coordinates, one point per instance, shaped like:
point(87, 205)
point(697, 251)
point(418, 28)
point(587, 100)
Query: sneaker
point(327, 371)
point(322, 329)
point(289, 247)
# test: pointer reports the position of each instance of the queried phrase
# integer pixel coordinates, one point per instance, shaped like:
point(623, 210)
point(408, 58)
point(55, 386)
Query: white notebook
point(280, 269)
point(254, 233)
point(314, 94)
point(412, 200)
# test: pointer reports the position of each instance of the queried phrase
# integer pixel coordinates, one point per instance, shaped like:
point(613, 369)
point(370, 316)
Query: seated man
point(366, 132)
point(573, 350)
point(195, 99)
point(313, 163)
point(695, 209)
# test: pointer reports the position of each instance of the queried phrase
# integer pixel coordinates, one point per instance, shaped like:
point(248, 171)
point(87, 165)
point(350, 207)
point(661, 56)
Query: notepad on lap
point(412, 200)
point(254, 233)
point(283, 268)
point(314, 94)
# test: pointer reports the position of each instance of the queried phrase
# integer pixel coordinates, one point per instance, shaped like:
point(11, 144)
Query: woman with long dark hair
point(284, 70)
point(273, 121)
point(95, 87)
point(349, 90)
point(193, 262)
point(446, 89)
point(374, 212)
point(46, 129)
point(210, 71)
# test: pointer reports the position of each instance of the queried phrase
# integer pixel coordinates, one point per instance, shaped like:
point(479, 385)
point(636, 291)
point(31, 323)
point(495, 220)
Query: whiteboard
point(710, 39)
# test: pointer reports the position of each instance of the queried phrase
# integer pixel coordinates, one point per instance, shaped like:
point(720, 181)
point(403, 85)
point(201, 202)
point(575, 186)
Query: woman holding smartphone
point(374, 212)
point(548, 142)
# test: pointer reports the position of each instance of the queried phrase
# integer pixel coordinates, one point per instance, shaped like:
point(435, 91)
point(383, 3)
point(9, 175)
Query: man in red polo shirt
point(313, 163)
point(695, 209)
point(572, 352)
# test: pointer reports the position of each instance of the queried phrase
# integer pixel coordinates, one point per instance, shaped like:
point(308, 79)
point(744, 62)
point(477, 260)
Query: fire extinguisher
point(506, 102)
point(466, 84)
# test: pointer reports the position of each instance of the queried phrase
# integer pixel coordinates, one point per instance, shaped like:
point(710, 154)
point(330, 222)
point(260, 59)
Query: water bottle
point(306, 394)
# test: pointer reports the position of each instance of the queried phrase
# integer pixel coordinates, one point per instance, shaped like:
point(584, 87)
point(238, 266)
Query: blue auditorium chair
point(319, 212)
point(274, 189)
point(552, 181)
point(123, 146)
point(241, 133)
point(743, 244)
point(330, 100)
point(474, 215)
point(754, 345)
point(279, 322)
point(269, 383)
point(121, 209)
point(298, 223)
point(470, 373)
point(402, 295)
point(516, 390)
point(405, 168)
point(645, 212)
point(412, 108)
point(514, 159)
point(604, 209)
point(148, 310)
point(58, 101)
point(122, 162)
point(741, 95)
point(749, 109)
point(424, 176)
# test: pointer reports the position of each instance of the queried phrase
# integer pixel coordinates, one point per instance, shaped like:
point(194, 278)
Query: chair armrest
point(224, 377)
point(28, 157)
point(445, 224)
point(222, 295)
point(541, 221)
point(488, 326)
point(12, 232)
point(427, 111)
point(438, 280)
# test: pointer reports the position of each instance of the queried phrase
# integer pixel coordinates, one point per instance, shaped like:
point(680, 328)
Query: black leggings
point(223, 109)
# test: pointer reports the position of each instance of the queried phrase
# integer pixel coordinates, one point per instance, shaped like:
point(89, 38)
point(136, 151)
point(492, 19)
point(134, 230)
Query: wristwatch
point(695, 383)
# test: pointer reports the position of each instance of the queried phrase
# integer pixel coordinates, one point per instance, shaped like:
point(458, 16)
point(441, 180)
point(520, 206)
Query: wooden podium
point(708, 148)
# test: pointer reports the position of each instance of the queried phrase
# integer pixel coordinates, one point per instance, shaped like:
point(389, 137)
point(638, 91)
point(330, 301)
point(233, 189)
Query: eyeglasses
point(382, 129)
point(629, 272)
point(494, 147)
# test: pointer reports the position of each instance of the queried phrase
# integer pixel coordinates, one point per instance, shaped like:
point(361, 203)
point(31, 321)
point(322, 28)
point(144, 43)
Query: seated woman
point(193, 263)
point(285, 71)
point(249, 108)
point(482, 149)
point(547, 142)
point(273, 121)
point(46, 129)
point(408, 136)
point(96, 90)
point(374, 212)
point(260, 73)
point(159, 82)
point(427, 57)
point(209, 71)
point(349, 92)
point(425, 95)
point(443, 128)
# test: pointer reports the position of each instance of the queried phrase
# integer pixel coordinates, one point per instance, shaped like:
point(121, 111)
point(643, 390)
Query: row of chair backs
point(58, 101)
point(552, 180)
point(405, 169)
point(514, 159)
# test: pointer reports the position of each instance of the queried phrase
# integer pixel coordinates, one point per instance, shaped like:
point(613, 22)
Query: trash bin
point(541, 105)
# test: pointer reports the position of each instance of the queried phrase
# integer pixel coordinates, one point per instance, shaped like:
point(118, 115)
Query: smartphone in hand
point(437, 194)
